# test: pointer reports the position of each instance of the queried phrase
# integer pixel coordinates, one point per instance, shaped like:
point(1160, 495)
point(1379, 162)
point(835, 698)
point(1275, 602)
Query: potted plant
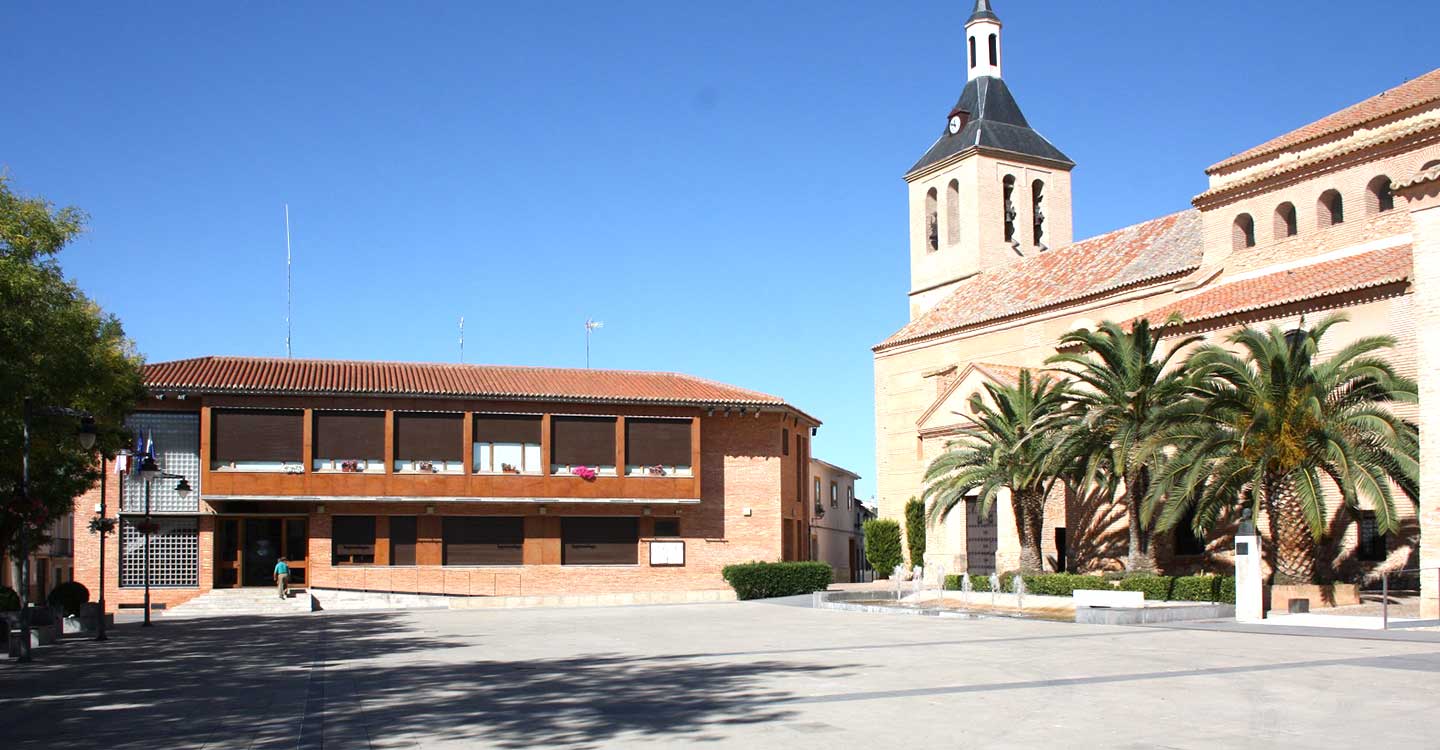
point(655, 471)
point(509, 468)
point(584, 472)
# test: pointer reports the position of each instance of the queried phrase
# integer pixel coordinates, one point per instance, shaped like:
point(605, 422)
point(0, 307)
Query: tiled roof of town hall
point(1143, 252)
point(1412, 93)
point(1284, 287)
point(264, 375)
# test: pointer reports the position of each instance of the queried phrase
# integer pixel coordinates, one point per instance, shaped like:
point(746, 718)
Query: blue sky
point(719, 182)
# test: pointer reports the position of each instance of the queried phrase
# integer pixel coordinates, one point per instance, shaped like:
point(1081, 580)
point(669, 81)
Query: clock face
point(954, 124)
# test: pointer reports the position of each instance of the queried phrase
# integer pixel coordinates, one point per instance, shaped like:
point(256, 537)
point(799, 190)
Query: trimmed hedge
point(69, 596)
point(1156, 588)
point(1201, 588)
point(915, 531)
point(9, 600)
point(882, 546)
point(761, 580)
point(1044, 584)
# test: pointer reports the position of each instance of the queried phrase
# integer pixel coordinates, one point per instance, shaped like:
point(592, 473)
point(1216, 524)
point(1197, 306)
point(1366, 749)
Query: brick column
point(1422, 192)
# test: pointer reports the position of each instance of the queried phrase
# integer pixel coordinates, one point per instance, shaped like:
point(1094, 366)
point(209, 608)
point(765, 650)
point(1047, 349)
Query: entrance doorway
point(246, 550)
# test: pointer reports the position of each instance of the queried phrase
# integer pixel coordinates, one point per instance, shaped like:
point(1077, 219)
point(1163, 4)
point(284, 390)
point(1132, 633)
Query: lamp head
point(148, 468)
point(182, 488)
point(87, 432)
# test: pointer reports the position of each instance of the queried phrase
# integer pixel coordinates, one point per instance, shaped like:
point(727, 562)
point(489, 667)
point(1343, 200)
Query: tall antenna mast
point(590, 326)
point(289, 289)
point(462, 339)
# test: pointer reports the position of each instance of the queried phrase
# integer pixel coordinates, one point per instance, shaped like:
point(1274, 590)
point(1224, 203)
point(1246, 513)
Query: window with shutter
point(482, 540)
point(579, 445)
point(506, 444)
point(256, 440)
point(352, 540)
point(599, 541)
point(429, 442)
point(657, 447)
point(349, 441)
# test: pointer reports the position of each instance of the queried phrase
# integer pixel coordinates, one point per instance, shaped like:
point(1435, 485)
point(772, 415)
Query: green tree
point(1273, 422)
point(1013, 444)
point(57, 348)
point(882, 546)
point(1126, 392)
point(915, 530)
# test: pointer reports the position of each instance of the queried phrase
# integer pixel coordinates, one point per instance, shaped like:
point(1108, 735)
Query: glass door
point(262, 548)
point(295, 544)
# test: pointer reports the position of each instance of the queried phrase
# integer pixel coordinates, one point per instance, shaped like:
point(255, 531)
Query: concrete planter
point(1320, 596)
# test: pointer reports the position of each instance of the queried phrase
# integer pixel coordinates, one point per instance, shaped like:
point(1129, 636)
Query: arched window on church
point(1379, 199)
point(1242, 235)
point(932, 221)
point(972, 51)
point(1330, 210)
point(1009, 195)
point(952, 212)
point(1037, 211)
point(1285, 224)
point(994, 50)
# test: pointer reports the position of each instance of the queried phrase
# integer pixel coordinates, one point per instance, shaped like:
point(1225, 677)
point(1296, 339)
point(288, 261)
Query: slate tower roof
point(993, 120)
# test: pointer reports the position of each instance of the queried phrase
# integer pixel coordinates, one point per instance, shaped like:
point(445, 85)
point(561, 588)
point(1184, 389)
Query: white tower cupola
point(982, 43)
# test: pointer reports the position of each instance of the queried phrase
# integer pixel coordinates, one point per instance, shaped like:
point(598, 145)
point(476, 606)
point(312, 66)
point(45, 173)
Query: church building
point(1330, 217)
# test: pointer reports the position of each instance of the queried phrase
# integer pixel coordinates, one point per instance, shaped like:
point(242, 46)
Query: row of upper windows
point(1329, 211)
point(1009, 214)
point(835, 494)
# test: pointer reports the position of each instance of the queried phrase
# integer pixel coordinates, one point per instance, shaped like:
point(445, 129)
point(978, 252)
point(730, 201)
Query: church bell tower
point(990, 191)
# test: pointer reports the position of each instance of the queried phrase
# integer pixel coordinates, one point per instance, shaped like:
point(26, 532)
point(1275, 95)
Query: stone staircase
point(245, 601)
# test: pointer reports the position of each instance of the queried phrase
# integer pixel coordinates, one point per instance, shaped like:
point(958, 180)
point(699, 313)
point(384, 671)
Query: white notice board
point(667, 553)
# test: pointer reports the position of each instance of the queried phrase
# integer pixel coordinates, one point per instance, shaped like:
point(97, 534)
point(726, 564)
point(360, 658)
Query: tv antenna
point(590, 326)
point(289, 288)
point(462, 339)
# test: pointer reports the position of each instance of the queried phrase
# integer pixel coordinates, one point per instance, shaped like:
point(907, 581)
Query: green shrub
point(977, 582)
point(69, 596)
point(1155, 587)
point(1063, 584)
point(1196, 589)
point(1227, 589)
point(882, 546)
point(9, 600)
point(761, 580)
point(1115, 575)
point(915, 531)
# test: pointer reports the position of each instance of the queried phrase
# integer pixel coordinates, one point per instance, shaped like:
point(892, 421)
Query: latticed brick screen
point(174, 553)
point(177, 450)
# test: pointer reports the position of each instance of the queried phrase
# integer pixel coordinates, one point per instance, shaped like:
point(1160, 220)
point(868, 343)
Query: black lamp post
point(87, 441)
point(150, 470)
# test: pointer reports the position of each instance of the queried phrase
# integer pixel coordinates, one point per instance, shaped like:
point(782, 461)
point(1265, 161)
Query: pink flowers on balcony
point(584, 472)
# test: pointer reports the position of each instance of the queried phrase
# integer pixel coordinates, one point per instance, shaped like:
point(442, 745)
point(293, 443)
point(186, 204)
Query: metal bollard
point(1385, 601)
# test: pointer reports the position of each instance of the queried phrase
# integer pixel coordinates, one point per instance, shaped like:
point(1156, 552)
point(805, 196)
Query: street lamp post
point(150, 470)
point(100, 625)
point(87, 440)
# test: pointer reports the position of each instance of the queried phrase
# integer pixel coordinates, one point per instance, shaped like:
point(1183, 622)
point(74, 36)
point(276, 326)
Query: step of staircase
point(246, 601)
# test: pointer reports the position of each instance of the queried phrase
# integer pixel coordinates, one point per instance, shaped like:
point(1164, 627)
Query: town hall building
point(1326, 218)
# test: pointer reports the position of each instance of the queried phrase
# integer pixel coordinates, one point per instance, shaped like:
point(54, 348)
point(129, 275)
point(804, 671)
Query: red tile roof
point(1323, 279)
point(1143, 252)
point(262, 375)
point(1408, 95)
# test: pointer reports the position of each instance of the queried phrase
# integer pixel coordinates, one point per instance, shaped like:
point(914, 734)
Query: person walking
point(282, 576)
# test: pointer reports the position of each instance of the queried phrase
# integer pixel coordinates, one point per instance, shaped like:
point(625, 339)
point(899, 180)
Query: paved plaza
point(743, 675)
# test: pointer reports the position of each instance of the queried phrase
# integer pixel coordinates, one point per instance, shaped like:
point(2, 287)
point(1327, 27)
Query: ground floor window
point(1371, 541)
point(352, 540)
point(174, 552)
point(483, 540)
point(402, 540)
point(599, 541)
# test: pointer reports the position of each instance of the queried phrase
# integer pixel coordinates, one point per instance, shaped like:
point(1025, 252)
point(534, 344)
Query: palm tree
point(1011, 444)
point(1273, 422)
point(1127, 392)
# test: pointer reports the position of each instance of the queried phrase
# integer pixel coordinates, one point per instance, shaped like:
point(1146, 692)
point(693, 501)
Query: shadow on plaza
point(256, 680)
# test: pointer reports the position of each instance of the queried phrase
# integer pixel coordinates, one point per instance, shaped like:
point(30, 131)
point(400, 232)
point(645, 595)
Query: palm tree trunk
point(1141, 555)
point(1029, 508)
point(1290, 535)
